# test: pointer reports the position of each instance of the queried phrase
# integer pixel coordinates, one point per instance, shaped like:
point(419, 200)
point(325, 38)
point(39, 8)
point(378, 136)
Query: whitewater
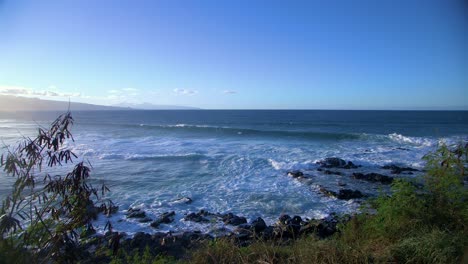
point(237, 161)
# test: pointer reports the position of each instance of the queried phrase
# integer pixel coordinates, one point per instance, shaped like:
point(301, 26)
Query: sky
point(360, 54)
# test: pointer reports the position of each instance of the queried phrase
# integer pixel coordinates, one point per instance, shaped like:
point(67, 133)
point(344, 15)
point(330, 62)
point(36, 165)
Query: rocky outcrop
point(258, 225)
point(343, 194)
point(170, 244)
point(196, 217)
point(398, 170)
point(296, 174)
point(337, 163)
point(329, 172)
point(373, 177)
point(231, 219)
point(135, 213)
point(165, 218)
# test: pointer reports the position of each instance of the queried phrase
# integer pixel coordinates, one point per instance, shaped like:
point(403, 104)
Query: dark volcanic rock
point(330, 172)
point(135, 213)
point(327, 192)
point(145, 220)
point(336, 163)
point(287, 227)
point(332, 163)
point(350, 165)
point(258, 225)
point(196, 217)
point(347, 194)
point(296, 174)
point(231, 219)
point(397, 170)
point(284, 219)
point(165, 218)
point(164, 243)
point(343, 194)
point(373, 177)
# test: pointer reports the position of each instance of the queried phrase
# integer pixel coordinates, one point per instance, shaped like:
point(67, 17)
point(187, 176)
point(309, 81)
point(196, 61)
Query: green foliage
point(135, 257)
point(44, 211)
point(418, 223)
point(430, 246)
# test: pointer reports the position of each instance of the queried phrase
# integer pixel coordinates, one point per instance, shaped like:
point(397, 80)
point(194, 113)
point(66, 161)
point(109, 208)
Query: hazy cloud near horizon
point(229, 92)
point(24, 91)
point(185, 91)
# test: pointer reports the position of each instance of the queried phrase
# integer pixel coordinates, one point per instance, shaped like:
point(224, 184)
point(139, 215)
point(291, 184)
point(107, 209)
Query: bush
point(422, 221)
point(44, 211)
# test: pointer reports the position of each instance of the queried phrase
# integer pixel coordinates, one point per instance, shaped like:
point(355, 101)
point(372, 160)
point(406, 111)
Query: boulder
point(258, 225)
point(145, 220)
point(343, 194)
point(397, 170)
point(135, 213)
point(373, 177)
point(333, 162)
point(347, 194)
point(196, 217)
point(336, 163)
point(165, 218)
point(231, 219)
point(296, 174)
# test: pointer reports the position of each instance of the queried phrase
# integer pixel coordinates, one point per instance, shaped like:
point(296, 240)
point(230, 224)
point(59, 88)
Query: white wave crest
point(425, 142)
point(294, 165)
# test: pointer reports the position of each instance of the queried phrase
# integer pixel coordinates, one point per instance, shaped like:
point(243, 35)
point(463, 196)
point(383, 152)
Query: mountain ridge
point(11, 103)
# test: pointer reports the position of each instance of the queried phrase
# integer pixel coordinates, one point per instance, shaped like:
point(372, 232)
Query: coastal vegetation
point(48, 218)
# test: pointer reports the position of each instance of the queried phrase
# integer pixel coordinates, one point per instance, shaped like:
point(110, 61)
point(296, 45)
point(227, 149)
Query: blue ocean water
point(237, 160)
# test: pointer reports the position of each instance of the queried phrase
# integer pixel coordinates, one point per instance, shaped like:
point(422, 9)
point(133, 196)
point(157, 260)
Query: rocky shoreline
point(244, 232)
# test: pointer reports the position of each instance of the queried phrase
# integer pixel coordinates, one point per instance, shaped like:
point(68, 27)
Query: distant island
point(9, 103)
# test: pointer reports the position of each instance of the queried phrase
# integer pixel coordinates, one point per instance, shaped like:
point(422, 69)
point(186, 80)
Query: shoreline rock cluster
point(340, 167)
point(244, 232)
point(177, 245)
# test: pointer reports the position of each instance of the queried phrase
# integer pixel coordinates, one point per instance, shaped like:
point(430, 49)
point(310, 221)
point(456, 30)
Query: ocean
point(237, 160)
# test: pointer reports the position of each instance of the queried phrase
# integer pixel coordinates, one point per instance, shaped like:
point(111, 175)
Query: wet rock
point(323, 228)
point(284, 219)
point(196, 217)
point(332, 172)
point(267, 233)
point(145, 220)
point(343, 194)
point(327, 192)
point(373, 177)
point(287, 227)
point(347, 194)
point(231, 219)
point(258, 225)
point(332, 163)
point(336, 163)
point(400, 148)
point(135, 213)
point(243, 232)
point(165, 218)
point(350, 165)
point(398, 170)
point(296, 174)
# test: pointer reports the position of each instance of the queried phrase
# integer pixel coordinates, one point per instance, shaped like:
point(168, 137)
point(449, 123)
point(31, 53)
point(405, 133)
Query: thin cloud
point(185, 91)
point(24, 91)
point(229, 92)
point(130, 90)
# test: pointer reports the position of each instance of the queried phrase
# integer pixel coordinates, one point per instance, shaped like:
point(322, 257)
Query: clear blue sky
point(348, 54)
